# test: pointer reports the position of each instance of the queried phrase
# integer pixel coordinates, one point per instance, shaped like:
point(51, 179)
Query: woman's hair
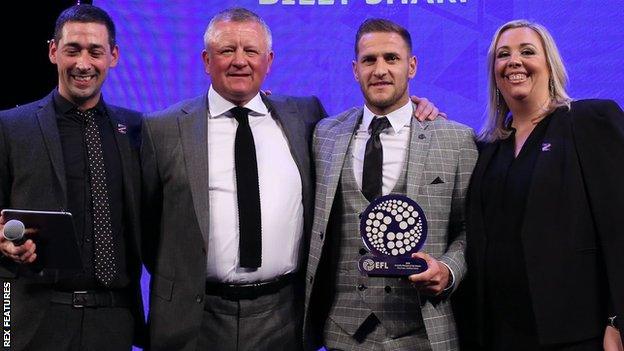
point(497, 110)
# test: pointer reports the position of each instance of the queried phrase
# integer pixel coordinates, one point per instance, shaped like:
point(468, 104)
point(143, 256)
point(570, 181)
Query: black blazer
point(572, 237)
point(32, 176)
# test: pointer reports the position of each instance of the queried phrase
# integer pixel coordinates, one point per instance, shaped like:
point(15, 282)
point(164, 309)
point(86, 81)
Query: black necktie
point(247, 192)
point(105, 268)
point(373, 159)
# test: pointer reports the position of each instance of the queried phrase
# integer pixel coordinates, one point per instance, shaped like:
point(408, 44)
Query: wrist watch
point(614, 322)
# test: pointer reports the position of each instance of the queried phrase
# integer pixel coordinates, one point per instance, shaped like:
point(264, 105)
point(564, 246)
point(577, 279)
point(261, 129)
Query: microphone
point(14, 232)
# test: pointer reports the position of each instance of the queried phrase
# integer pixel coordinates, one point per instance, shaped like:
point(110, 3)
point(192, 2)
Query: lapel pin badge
point(546, 146)
point(122, 128)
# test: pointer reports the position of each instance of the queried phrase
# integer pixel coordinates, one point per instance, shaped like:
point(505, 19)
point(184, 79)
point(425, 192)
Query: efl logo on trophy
point(392, 228)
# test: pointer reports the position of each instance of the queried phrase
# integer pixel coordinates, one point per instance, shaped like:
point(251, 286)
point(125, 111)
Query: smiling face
point(83, 56)
point(383, 67)
point(521, 71)
point(237, 59)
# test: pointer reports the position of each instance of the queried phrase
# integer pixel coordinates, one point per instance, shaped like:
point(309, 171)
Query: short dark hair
point(85, 14)
point(373, 25)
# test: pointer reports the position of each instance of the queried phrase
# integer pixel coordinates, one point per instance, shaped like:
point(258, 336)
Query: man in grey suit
point(430, 162)
point(72, 151)
point(210, 290)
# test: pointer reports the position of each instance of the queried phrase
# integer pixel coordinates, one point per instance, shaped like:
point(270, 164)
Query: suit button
point(199, 298)
point(311, 278)
point(388, 289)
point(361, 287)
point(363, 251)
point(421, 136)
point(321, 234)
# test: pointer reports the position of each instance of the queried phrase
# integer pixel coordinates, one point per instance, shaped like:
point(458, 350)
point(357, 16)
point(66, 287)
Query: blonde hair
point(497, 110)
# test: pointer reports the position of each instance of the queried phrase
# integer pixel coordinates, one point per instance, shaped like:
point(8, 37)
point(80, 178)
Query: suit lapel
point(289, 117)
point(546, 177)
point(416, 158)
point(128, 162)
point(194, 139)
point(49, 129)
point(294, 129)
point(475, 204)
point(343, 137)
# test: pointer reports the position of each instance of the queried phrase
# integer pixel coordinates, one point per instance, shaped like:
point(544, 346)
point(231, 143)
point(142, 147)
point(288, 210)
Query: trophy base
point(388, 266)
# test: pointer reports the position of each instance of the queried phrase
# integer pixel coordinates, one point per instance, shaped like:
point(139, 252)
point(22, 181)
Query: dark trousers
point(67, 328)
point(266, 323)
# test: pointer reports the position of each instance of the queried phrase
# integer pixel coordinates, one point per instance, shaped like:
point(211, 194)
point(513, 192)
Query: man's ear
point(413, 66)
point(115, 56)
point(271, 55)
point(206, 60)
point(52, 48)
point(356, 73)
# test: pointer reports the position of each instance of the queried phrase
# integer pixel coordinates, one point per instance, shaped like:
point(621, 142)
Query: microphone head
point(14, 230)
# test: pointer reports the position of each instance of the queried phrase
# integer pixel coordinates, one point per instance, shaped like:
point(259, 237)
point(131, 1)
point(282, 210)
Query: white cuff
point(451, 281)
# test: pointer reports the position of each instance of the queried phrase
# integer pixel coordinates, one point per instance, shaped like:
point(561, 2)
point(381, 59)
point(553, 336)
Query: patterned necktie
point(373, 160)
point(247, 192)
point(105, 268)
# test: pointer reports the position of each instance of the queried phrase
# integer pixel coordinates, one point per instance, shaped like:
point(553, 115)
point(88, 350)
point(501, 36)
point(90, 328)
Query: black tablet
point(57, 247)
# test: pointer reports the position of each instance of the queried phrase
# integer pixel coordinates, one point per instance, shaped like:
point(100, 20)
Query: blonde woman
point(545, 241)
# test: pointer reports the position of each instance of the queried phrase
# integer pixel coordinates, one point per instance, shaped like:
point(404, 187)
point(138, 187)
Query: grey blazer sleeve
point(454, 257)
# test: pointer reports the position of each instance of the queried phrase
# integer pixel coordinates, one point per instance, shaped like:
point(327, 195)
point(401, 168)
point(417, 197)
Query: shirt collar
point(65, 106)
point(398, 118)
point(218, 105)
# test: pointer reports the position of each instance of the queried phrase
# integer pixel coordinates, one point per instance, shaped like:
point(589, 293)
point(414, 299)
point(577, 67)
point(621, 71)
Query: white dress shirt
point(395, 142)
point(281, 204)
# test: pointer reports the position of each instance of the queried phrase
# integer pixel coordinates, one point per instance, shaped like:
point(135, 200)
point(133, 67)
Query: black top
point(506, 184)
point(72, 130)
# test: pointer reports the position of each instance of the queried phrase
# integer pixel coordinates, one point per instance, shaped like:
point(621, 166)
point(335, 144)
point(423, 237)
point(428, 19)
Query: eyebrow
point(383, 54)
point(521, 45)
point(78, 46)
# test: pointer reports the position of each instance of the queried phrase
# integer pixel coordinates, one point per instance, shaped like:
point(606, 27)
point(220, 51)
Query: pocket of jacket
point(162, 287)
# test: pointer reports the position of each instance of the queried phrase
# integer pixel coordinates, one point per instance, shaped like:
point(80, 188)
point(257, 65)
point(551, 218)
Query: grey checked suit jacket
point(439, 148)
point(175, 178)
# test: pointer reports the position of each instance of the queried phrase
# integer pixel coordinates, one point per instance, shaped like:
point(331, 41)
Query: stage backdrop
point(161, 44)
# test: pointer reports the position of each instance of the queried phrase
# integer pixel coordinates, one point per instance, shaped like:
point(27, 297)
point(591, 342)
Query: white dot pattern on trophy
point(394, 227)
point(105, 266)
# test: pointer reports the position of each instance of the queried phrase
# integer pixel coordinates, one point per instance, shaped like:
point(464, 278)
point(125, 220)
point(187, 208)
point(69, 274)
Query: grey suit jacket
point(439, 148)
point(175, 178)
point(32, 176)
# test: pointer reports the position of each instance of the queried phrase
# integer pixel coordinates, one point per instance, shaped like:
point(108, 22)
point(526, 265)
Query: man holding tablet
point(73, 152)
